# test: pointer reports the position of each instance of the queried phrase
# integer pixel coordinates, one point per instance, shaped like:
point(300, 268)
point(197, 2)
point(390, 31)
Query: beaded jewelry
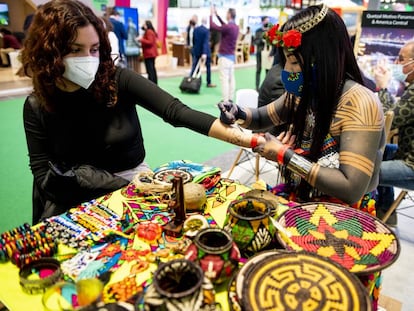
point(24, 244)
point(46, 271)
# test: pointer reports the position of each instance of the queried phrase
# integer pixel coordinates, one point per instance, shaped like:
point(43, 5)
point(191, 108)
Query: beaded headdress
point(292, 38)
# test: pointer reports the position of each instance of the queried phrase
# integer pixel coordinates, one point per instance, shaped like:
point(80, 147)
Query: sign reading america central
point(382, 35)
point(388, 19)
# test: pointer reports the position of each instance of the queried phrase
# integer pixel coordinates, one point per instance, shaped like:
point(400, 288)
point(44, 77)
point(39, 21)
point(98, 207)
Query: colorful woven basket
point(302, 281)
point(236, 283)
point(356, 240)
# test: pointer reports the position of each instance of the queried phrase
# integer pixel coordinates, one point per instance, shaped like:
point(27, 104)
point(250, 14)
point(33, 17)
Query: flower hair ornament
point(292, 38)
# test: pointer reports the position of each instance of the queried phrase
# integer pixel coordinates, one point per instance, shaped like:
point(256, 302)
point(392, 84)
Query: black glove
point(78, 184)
point(230, 113)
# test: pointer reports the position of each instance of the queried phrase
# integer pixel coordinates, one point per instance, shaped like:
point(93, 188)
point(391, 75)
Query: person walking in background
point(227, 47)
point(201, 49)
point(149, 50)
point(192, 24)
point(119, 30)
point(259, 42)
point(10, 44)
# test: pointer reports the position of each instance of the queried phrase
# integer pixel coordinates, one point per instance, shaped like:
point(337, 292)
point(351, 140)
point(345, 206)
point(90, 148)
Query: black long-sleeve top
point(81, 131)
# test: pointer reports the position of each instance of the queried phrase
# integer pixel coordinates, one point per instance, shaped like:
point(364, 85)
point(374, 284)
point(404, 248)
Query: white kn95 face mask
point(81, 70)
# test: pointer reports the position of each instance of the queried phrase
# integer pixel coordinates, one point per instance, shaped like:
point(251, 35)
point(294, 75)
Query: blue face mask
point(293, 82)
point(397, 71)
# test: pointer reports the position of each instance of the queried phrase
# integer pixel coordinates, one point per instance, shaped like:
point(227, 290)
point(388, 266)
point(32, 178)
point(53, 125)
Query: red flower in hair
point(292, 39)
point(273, 35)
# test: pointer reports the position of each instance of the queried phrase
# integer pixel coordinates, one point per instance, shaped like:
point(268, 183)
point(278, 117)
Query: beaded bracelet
point(281, 154)
point(25, 244)
point(253, 141)
point(49, 274)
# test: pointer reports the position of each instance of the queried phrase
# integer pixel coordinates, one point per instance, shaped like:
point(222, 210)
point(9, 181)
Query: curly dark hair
point(54, 30)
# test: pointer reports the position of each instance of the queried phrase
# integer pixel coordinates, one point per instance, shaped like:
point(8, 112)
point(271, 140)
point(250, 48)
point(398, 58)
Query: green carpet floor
point(163, 143)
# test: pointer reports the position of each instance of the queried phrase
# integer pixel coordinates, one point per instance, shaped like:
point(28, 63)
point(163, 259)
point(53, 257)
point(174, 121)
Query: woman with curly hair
point(82, 129)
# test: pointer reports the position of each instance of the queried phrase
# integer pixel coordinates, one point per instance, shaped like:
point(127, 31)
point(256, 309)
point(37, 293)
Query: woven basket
point(236, 283)
point(302, 281)
point(356, 240)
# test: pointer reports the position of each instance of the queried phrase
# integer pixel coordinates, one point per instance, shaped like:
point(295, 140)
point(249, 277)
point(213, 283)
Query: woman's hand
point(287, 138)
point(273, 145)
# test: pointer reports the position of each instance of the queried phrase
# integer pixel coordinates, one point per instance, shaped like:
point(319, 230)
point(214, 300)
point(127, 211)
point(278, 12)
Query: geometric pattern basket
point(354, 239)
point(301, 281)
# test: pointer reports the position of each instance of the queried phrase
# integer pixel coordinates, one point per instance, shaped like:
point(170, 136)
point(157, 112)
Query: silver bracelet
point(299, 165)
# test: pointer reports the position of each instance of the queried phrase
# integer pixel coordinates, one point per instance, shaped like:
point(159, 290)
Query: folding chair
point(388, 117)
point(246, 98)
point(395, 204)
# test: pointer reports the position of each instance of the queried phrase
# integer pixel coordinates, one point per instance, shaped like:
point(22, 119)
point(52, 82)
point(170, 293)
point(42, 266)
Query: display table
point(130, 205)
point(14, 298)
point(181, 52)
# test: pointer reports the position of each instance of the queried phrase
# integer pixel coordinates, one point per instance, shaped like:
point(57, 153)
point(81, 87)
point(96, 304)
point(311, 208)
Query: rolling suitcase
point(192, 84)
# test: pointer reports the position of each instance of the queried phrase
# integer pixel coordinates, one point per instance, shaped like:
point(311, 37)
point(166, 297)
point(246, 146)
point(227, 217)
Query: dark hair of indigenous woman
point(50, 39)
point(326, 58)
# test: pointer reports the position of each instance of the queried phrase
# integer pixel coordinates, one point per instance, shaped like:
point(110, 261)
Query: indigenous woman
point(335, 125)
point(332, 148)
